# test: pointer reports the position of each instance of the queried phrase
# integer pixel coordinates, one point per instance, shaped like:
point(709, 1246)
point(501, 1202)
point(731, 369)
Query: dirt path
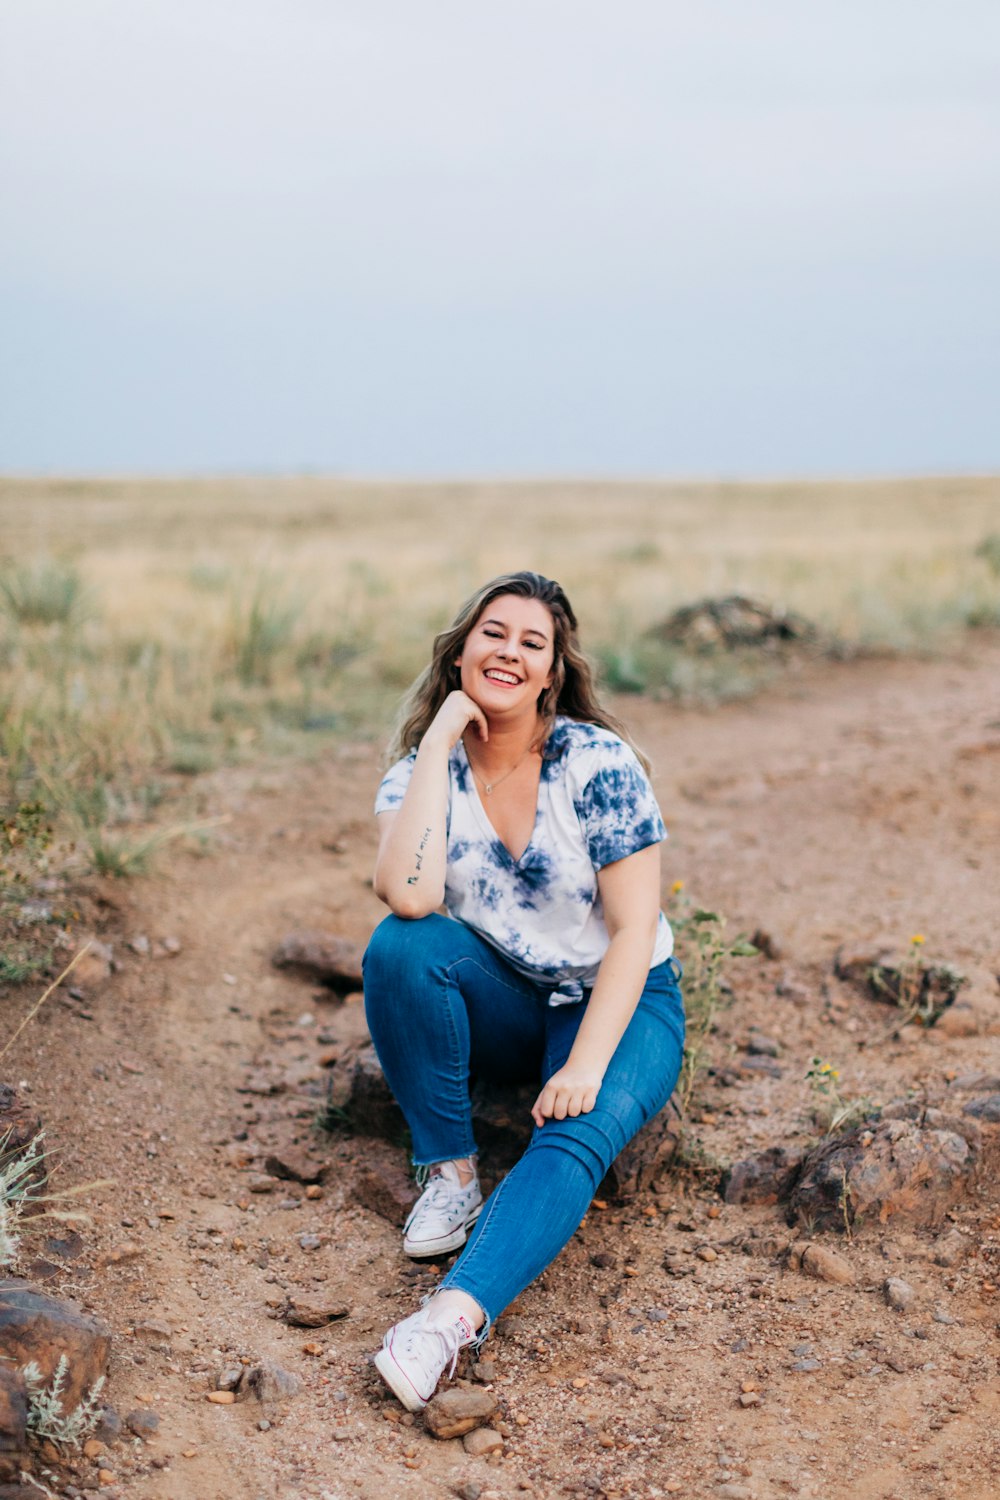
point(855, 802)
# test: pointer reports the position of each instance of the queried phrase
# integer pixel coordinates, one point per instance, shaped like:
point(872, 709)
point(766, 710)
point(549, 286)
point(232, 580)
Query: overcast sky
point(433, 237)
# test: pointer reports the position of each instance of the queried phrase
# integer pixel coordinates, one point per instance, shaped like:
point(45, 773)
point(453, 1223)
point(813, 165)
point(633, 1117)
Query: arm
point(630, 894)
point(410, 866)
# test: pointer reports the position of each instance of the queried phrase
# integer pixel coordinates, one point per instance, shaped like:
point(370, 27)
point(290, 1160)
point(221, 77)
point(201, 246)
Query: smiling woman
point(520, 805)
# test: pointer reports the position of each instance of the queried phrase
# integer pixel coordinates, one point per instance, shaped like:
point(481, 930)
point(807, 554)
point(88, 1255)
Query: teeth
point(503, 676)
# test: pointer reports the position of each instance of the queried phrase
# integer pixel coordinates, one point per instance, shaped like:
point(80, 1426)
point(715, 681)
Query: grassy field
point(152, 630)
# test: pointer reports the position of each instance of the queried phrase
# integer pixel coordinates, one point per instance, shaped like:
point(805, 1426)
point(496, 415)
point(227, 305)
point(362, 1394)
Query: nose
point(509, 651)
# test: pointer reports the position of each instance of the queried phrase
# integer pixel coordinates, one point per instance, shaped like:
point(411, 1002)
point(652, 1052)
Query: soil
point(854, 802)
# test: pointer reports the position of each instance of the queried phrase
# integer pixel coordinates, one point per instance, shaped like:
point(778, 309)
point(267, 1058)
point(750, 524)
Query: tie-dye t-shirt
point(543, 911)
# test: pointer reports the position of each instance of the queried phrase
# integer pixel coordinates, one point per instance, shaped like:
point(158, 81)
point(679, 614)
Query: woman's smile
point(508, 651)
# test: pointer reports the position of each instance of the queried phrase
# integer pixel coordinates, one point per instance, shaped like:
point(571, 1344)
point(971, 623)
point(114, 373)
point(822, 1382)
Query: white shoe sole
point(397, 1381)
point(424, 1249)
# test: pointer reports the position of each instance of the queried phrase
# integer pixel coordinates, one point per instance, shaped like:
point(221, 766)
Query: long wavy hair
point(571, 692)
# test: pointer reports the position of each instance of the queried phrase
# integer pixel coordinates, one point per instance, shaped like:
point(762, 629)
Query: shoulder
point(576, 751)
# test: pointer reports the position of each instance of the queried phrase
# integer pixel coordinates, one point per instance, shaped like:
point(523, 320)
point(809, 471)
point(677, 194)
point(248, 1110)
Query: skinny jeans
point(443, 1004)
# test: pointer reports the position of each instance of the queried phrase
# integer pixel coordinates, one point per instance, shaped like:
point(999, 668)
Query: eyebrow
point(530, 631)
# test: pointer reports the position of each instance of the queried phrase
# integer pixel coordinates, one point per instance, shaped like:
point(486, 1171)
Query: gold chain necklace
point(490, 786)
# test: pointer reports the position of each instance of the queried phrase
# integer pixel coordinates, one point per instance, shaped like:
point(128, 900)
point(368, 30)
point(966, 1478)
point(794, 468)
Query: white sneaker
point(444, 1213)
point(414, 1353)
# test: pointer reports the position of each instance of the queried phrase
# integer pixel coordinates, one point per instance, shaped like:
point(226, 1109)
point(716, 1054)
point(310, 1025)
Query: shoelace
point(451, 1337)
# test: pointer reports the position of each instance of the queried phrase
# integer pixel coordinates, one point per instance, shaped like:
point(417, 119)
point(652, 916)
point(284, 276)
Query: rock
point(755, 1065)
point(759, 1045)
point(321, 956)
point(898, 1293)
point(826, 1265)
point(310, 1242)
point(765, 1178)
point(951, 1249)
point(294, 1166)
point(109, 1426)
point(928, 990)
point(144, 1424)
point(894, 1169)
point(260, 1182)
point(35, 1327)
point(358, 1096)
point(140, 944)
point(384, 1188)
point(806, 1366)
point(959, 1021)
point(93, 969)
point(221, 1398)
point(13, 1410)
point(986, 1107)
point(732, 621)
point(485, 1371)
point(458, 1410)
point(481, 1441)
point(312, 1312)
point(269, 1382)
point(167, 947)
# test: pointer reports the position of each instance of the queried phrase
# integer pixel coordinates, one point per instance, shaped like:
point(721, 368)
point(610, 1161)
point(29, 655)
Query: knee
point(585, 1144)
point(398, 951)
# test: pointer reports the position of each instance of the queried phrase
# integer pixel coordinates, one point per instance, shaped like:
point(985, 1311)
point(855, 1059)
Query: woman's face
point(506, 662)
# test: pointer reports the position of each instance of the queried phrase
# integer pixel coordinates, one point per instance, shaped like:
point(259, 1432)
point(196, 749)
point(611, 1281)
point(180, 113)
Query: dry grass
point(151, 629)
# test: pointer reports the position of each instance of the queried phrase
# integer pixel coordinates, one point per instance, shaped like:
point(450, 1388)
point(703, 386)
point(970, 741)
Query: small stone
point(706, 1253)
point(294, 1166)
point(229, 1378)
point(457, 1411)
point(341, 1434)
point(269, 1382)
point(485, 1371)
point(105, 1478)
point(143, 1424)
point(481, 1441)
point(139, 944)
point(93, 1448)
point(951, 1249)
point(806, 1366)
point(749, 1398)
point(898, 1293)
point(309, 1241)
point(603, 1260)
point(221, 1398)
point(827, 1265)
point(759, 1045)
point(260, 1182)
point(313, 1312)
point(987, 1107)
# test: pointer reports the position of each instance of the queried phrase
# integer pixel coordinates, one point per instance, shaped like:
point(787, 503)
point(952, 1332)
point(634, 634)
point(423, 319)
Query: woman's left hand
point(571, 1091)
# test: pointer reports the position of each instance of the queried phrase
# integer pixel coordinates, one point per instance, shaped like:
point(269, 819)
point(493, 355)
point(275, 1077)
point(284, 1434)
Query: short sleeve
point(617, 808)
point(394, 783)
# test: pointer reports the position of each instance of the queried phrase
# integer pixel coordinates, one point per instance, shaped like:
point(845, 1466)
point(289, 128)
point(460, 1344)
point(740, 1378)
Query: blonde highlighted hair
point(571, 692)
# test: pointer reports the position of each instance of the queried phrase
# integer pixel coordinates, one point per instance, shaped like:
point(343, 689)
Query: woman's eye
point(533, 645)
point(494, 635)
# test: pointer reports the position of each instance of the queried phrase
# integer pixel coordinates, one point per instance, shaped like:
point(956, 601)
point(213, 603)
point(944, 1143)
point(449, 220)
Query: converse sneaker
point(414, 1353)
point(444, 1213)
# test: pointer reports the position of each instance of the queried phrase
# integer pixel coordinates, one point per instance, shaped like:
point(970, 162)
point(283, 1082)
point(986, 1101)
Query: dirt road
point(855, 802)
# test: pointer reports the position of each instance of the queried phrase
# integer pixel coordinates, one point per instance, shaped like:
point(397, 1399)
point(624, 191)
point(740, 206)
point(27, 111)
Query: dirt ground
point(854, 802)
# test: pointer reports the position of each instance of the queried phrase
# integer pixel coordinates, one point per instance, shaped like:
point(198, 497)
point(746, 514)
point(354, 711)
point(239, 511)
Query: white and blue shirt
point(543, 912)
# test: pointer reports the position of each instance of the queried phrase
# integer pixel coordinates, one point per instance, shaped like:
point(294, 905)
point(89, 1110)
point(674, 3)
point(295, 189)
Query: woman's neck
point(507, 741)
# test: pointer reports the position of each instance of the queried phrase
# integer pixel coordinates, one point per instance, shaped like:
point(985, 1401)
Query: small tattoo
point(412, 879)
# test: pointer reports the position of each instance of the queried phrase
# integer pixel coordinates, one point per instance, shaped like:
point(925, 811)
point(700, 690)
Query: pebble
point(457, 1411)
point(827, 1265)
point(806, 1366)
point(143, 1424)
point(898, 1293)
point(309, 1241)
point(482, 1441)
point(221, 1398)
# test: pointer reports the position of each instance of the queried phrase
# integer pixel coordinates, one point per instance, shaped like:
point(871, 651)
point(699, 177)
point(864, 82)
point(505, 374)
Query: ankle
point(465, 1166)
point(452, 1303)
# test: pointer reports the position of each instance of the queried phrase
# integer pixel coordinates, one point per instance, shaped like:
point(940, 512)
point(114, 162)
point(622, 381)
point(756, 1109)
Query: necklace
point(490, 786)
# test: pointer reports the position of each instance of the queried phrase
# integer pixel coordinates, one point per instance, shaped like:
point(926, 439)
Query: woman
point(523, 809)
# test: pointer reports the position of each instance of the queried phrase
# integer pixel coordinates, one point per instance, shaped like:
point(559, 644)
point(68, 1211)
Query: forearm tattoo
point(412, 879)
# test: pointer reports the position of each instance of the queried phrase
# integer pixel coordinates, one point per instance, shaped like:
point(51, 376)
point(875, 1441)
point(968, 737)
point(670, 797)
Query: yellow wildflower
point(677, 887)
point(917, 939)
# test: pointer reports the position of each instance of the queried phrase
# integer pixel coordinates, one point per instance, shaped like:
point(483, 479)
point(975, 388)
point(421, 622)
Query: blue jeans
point(442, 1003)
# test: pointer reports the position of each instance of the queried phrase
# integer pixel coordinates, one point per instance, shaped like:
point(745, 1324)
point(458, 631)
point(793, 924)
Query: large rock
point(36, 1328)
point(897, 1169)
point(459, 1410)
point(765, 1178)
point(722, 624)
point(925, 990)
point(13, 1409)
point(360, 1100)
point(333, 961)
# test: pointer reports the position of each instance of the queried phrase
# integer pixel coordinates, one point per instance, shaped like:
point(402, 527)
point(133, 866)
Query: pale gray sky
point(426, 237)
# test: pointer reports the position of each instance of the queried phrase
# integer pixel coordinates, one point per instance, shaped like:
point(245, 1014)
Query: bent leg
point(439, 1000)
point(536, 1209)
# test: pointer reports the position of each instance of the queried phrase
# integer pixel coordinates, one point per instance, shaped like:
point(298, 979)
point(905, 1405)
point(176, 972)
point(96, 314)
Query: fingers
point(562, 1103)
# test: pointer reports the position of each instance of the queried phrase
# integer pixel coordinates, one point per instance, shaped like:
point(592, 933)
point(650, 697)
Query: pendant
point(489, 789)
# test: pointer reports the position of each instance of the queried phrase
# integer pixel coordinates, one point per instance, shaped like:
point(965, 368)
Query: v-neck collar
point(483, 817)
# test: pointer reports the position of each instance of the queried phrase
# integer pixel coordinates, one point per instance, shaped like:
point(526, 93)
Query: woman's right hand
point(454, 716)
